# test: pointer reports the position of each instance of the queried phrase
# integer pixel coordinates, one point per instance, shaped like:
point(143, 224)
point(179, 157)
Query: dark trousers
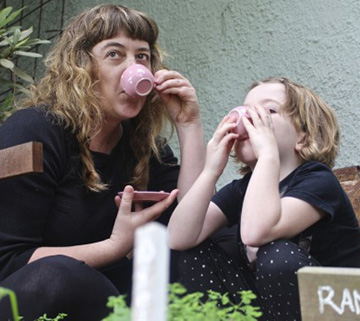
point(58, 284)
point(273, 280)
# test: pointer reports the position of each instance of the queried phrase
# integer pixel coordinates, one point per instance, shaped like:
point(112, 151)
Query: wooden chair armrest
point(21, 159)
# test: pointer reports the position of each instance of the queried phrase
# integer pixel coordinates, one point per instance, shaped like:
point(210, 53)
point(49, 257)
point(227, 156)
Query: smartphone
point(147, 196)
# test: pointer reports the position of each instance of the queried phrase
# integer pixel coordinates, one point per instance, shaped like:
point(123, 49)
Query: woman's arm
point(121, 241)
point(182, 103)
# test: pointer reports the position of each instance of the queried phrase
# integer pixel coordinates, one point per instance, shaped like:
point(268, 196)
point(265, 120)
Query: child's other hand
point(261, 131)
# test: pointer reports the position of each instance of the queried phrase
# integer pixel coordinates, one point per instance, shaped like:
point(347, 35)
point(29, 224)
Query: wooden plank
point(329, 293)
point(21, 159)
point(151, 273)
point(349, 178)
point(350, 173)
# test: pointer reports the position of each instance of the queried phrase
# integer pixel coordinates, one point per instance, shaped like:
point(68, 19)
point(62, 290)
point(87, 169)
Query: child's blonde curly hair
point(312, 116)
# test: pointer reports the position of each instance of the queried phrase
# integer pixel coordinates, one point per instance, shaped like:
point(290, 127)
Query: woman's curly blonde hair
point(312, 116)
point(67, 88)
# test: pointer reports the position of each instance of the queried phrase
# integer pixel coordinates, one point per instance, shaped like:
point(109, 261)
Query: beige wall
point(224, 45)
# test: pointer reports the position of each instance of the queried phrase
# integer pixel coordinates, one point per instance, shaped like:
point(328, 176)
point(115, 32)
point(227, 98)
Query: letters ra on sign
point(328, 293)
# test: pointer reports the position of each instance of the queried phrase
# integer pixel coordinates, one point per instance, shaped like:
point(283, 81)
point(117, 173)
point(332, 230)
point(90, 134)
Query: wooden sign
point(151, 273)
point(330, 294)
point(21, 159)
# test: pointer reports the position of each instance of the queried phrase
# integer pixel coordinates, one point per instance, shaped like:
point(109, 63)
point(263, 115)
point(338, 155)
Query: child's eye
point(272, 111)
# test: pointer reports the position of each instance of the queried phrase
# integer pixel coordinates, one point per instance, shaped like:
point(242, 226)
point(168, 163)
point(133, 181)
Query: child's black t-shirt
point(334, 240)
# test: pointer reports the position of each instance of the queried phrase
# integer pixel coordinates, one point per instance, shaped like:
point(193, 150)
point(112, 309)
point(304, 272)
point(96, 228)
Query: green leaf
point(5, 18)
point(23, 75)
point(27, 54)
point(16, 36)
point(33, 42)
point(21, 43)
point(7, 63)
point(6, 42)
point(4, 14)
point(26, 33)
point(22, 89)
point(13, 301)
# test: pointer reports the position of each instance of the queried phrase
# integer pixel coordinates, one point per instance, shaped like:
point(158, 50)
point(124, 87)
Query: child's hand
point(220, 145)
point(261, 131)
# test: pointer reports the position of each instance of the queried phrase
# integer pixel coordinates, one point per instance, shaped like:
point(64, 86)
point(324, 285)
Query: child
point(289, 207)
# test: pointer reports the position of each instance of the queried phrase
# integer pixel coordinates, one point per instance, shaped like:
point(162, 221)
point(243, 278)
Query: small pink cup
point(137, 81)
point(239, 112)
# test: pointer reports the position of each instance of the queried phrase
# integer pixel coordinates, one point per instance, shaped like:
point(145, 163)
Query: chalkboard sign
point(330, 294)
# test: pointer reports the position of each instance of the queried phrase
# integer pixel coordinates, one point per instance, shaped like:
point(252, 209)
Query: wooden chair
point(15, 161)
point(349, 178)
point(21, 159)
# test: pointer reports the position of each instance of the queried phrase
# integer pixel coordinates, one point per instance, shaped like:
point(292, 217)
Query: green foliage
point(60, 316)
point(192, 307)
point(182, 307)
point(13, 302)
point(14, 307)
point(14, 43)
point(217, 307)
point(121, 312)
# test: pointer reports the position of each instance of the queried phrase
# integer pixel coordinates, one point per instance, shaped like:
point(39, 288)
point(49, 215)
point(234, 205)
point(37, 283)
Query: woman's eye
point(143, 56)
point(272, 111)
point(112, 54)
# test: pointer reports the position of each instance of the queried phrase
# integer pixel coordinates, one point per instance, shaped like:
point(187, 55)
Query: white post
point(150, 274)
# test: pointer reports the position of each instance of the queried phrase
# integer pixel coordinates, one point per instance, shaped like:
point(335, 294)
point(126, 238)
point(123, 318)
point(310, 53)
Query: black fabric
point(54, 208)
point(61, 285)
point(209, 267)
point(334, 240)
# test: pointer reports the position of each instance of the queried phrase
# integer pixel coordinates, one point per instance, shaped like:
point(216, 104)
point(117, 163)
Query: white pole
point(151, 273)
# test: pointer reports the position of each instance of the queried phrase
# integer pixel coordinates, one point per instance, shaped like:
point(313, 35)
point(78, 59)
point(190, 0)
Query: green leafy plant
point(60, 316)
point(121, 311)
point(15, 311)
point(14, 43)
point(192, 307)
point(13, 302)
point(182, 307)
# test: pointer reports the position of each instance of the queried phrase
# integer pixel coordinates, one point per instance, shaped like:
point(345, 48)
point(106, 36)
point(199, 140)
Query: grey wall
point(222, 46)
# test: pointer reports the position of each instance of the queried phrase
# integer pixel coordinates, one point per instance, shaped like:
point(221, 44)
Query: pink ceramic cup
point(239, 112)
point(137, 81)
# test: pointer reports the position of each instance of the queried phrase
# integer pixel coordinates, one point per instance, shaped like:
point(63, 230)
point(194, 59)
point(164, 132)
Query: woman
point(63, 241)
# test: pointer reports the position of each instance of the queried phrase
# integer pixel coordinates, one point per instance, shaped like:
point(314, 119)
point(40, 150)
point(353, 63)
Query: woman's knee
point(53, 276)
point(56, 284)
point(52, 272)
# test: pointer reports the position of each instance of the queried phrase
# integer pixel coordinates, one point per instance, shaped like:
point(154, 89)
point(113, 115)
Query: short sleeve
point(316, 184)
point(230, 199)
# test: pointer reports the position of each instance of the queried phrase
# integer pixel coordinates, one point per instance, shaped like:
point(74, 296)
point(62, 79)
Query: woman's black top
point(54, 208)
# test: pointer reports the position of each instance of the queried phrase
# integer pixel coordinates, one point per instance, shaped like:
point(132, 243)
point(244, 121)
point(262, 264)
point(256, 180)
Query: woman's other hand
point(127, 221)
